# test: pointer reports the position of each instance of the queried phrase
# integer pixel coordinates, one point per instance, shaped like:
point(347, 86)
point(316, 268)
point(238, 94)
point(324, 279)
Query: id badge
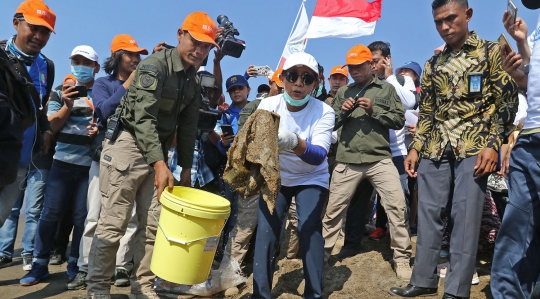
point(475, 82)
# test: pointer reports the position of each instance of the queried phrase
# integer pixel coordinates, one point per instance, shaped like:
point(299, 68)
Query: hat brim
point(338, 73)
point(203, 38)
point(531, 4)
point(38, 22)
point(237, 84)
point(78, 54)
point(136, 50)
point(352, 62)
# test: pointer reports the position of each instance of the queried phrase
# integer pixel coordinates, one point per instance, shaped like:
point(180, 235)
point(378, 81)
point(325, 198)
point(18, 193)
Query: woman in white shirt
point(305, 131)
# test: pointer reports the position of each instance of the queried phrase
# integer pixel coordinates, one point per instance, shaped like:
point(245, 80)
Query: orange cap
point(275, 77)
point(69, 77)
point(338, 69)
point(36, 12)
point(126, 42)
point(358, 55)
point(201, 27)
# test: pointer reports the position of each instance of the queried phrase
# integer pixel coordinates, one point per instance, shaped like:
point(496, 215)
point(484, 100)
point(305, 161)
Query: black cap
point(531, 4)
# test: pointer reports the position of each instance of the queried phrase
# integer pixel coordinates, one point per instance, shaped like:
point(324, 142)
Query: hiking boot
point(378, 234)
point(5, 261)
point(72, 270)
point(347, 252)
point(38, 272)
point(403, 270)
point(78, 282)
point(122, 278)
point(27, 262)
point(57, 259)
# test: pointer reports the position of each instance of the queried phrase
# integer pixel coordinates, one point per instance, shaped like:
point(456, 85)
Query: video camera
point(229, 44)
point(207, 116)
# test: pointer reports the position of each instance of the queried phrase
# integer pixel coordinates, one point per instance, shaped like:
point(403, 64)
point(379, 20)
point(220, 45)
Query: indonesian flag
point(296, 41)
point(344, 18)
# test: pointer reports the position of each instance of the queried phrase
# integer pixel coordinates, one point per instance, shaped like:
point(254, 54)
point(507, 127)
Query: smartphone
point(227, 130)
point(504, 41)
point(83, 92)
point(512, 11)
point(263, 70)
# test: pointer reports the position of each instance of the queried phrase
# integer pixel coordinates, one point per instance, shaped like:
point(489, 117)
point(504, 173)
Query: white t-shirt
point(521, 114)
point(533, 87)
point(408, 100)
point(313, 124)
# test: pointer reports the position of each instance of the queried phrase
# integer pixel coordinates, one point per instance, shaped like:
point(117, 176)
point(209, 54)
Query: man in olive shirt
point(366, 110)
point(165, 94)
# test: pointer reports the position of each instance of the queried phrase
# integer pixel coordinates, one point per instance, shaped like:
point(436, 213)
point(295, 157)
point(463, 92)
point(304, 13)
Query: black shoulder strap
point(50, 77)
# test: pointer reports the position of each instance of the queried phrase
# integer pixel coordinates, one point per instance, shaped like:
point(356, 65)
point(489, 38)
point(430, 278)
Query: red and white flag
point(296, 41)
point(344, 18)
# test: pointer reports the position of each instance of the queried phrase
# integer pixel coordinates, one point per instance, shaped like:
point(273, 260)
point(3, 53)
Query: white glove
point(334, 137)
point(287, 140)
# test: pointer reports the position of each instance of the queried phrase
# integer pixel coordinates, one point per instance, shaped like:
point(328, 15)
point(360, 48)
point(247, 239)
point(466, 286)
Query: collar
point(471, 42)
point(178, 66)
point(375, 80)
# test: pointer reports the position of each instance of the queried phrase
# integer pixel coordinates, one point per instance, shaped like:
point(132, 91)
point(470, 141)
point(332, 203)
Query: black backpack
point(19, 89)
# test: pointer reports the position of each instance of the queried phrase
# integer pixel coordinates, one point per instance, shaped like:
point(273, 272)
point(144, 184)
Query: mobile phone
point(504, 41)
point(227, 130)
point(263, 70)
point(512, 11)
point(83, 92)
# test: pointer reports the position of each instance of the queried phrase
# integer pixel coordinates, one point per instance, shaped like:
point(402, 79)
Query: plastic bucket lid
point(196, 203)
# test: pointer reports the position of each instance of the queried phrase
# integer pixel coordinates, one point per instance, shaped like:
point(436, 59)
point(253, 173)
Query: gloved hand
point(287, 140)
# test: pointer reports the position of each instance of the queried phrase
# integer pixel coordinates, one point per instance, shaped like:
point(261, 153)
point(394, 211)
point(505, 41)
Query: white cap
point(85, 51)
point(301, 58)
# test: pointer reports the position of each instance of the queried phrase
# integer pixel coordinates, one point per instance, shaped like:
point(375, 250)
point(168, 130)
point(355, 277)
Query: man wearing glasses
point(365, 111)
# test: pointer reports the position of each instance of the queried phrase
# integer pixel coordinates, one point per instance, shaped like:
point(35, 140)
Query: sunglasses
point(307, 78)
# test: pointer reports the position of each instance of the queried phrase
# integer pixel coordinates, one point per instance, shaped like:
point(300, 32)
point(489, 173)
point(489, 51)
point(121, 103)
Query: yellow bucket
point(190, 225)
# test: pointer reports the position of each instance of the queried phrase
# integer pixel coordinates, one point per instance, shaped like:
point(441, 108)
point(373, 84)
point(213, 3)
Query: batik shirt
point(449, 113)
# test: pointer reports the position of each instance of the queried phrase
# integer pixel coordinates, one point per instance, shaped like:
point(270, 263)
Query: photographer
point(163, 99)
point(107, 92)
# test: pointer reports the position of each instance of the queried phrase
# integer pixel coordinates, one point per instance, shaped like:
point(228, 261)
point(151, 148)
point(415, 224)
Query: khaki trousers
point(125, 178)
point(384, 177)
point(246, 225)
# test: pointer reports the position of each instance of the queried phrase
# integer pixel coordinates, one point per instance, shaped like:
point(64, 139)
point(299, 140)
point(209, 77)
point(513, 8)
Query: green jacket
point(161, 97)
point(247, 111)
point(365, 138)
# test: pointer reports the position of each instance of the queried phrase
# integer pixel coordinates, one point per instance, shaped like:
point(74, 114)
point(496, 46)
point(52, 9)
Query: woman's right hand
point(226, 140)
point(127, 83)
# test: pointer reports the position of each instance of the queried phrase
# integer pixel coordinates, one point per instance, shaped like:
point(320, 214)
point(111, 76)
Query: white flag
point(297, 41)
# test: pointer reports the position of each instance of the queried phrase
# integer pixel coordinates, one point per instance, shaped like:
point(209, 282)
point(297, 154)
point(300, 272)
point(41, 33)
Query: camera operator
point(134, 154)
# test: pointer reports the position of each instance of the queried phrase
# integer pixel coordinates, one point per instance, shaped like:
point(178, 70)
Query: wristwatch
point(49, 132)
point(526, 69)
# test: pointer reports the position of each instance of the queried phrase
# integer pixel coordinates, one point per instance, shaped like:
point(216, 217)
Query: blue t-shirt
point(38, 74)
point(107, 93)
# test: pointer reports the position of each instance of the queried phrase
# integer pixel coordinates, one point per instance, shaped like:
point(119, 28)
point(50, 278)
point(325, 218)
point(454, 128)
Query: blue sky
point(264, 25)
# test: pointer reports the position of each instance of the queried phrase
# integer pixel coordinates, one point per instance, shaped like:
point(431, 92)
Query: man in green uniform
point(163, 96)
point(365, 111)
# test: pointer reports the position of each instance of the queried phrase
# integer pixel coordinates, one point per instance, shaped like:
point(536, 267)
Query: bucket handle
point(180, 241)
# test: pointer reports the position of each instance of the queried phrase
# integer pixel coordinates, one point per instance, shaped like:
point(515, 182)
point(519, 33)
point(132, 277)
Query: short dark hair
point(111, 64)
point(263, 88)
point(384, 47)
point(436, 4)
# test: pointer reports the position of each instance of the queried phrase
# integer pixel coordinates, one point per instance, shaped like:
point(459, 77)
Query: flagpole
point(294, 25)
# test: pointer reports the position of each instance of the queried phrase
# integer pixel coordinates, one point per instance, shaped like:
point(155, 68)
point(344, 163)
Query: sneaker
point(5, 261)
point(122, 278)
point(72, 270)
point(38, 272)
point(27, 262)
point(403, 270)
point(78, 282)
point(441, 272)
point(57, 259)
point(378, 234)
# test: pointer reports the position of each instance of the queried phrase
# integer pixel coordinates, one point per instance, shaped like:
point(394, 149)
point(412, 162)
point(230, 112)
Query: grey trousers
point(439, 182)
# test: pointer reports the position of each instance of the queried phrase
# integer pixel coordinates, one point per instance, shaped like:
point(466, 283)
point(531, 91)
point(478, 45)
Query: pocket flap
point(120, 166)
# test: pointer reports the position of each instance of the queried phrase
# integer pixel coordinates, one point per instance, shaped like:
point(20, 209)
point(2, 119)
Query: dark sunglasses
point(307, 78)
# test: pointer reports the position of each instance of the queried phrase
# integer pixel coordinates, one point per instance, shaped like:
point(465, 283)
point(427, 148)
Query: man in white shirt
point(516, 265)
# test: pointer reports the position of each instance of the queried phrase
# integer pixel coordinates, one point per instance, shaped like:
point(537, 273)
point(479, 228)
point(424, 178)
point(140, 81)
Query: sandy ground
point(367, 275)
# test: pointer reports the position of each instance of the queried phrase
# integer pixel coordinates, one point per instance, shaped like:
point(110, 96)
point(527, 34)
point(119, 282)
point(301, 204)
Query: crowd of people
point(417, 151)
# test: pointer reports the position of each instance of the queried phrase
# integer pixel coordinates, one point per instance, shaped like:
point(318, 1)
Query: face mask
point(296, 103)
point(319, 91)
point(84, 74)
